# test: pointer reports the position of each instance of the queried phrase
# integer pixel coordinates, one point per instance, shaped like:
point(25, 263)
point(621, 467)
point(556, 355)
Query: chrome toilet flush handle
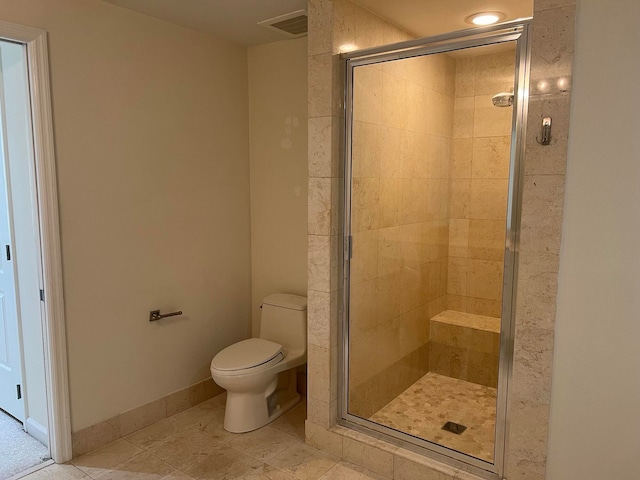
point(156, 315)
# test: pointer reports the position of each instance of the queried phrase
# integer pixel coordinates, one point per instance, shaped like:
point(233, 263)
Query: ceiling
point(233, 20)
point(236, 20)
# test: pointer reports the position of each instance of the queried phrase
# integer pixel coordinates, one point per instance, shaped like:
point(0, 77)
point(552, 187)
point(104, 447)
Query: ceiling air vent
point(292, 24)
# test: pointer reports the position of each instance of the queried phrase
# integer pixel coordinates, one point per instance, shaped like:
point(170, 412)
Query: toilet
point(259, 373)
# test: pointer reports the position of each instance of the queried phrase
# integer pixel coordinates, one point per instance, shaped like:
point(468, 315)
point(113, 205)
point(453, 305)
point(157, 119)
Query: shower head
point(502, 99)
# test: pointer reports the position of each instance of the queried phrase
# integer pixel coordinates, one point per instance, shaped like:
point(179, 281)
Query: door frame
point(55, 347)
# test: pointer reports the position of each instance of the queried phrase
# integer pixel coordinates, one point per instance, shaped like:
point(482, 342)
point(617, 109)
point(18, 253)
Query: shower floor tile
point(423, 408)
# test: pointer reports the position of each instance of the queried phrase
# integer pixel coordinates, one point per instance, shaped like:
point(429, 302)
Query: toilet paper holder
point(156, 315)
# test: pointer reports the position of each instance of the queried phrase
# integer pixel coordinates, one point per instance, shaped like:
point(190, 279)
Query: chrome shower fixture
point(502, 99)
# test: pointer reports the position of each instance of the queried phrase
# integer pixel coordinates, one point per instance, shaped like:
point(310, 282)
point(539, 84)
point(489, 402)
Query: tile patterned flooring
point(424, 407)
point(193, 445)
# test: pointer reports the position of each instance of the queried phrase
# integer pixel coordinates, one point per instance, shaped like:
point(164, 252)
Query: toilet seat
point(248, 356)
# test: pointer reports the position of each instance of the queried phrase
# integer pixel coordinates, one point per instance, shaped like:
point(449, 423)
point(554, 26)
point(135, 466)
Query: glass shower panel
point(430, 162)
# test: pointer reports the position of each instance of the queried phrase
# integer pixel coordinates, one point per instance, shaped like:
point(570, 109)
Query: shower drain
point(454, 428)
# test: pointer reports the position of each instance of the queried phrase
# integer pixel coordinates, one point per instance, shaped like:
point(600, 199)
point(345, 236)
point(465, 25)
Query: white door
point(10, 355)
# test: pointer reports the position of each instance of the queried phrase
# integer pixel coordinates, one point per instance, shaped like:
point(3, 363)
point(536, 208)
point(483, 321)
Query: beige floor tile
point(222, 462)
point(144, 466)
point(292, 422)
point(152, 435)
point(348, 471)
point(262, 444)
point(423, 408)
point(304, 462)
point(266, 472)
point(106, 457)
point(185, 448)
point(58, 472)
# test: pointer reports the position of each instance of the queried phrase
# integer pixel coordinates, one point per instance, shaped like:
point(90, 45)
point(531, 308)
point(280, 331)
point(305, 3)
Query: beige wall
point(595, 419)
point(151, 135)
point(278, 152)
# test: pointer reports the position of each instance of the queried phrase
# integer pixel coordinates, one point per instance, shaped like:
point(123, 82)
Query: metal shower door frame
point(518, 31)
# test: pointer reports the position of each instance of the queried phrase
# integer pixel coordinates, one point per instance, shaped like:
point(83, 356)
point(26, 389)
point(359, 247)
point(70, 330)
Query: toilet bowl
point(259, 373)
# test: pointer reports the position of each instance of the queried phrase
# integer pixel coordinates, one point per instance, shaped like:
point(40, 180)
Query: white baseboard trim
point(37, 431)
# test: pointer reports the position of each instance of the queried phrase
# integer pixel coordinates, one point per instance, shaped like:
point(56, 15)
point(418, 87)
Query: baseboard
point(98, 435)
point(37, 431)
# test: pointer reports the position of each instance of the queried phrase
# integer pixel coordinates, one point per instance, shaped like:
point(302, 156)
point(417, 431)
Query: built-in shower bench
point(465, 346)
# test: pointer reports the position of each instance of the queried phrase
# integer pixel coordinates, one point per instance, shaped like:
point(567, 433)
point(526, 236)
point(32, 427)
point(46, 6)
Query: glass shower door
point(430, 220)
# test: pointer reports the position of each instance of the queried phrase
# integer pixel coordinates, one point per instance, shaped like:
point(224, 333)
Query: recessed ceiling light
point(485, 18)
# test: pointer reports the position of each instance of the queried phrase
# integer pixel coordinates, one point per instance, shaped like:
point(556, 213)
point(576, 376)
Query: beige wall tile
point(363, 313)
point(488, 199)
point(367, 98)
point(541, 224)
point(495, 73)
point(320, 206)
point(319, 84)
point(459, 198)
point(322, 147)
point(487, 239)
point(319, 263)
point(388, 296)
point(527, 440)
point(462, 157)
point(143, 416)
point(484, 279)
point(413, 200)
point(537, 289)
point(463, 117)
point(491, 157)
point(489, 121)
point(369, 29)
point(458, 237)
point(320, 17)
point(389, 202)
point(364, 260)
point(184, 399)
point(416, 105)
point(389, 251)
point(540, 5)
point(319, 362)
point(371, 457)
point(411, 251)
point(553, 28)
point(391, 151)
point(365, 207)
point(322, 315)
point(457, 276)
point(95, 436)
point(323, 439)
point(410, 466)
point(394, 101)
point(533, 358)
point(344, 26)
point(465, 77)
point(366, 143)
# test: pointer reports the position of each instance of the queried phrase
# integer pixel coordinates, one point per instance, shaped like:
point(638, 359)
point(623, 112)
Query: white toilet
point(249, 370)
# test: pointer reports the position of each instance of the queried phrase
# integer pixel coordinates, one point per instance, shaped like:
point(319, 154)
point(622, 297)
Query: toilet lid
point(246, 354)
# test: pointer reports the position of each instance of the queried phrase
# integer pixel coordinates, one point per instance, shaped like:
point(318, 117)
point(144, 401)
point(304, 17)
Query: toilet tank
point(284, 320)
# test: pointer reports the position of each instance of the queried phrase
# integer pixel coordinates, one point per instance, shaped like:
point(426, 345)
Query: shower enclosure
point(431, 217)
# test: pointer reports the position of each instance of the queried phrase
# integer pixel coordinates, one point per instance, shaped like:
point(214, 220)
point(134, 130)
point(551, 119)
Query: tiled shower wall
point(332, 24)
point(479, 183)
point(403, 120)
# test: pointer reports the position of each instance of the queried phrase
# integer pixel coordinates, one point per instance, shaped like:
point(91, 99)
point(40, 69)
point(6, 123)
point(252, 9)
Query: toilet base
point(245, 412)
